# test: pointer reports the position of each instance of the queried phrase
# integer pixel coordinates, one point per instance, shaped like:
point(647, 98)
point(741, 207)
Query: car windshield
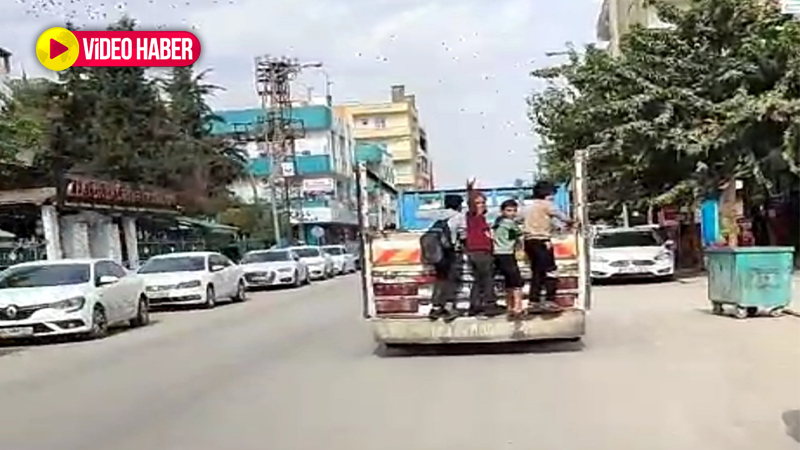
point(307, 252)
point(334, 250)
point(45, 275)
point(626, 239)
point(175, 264)
point(259, 257)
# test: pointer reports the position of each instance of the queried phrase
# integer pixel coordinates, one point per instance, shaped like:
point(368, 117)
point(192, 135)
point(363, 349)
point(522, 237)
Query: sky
point(467, 61)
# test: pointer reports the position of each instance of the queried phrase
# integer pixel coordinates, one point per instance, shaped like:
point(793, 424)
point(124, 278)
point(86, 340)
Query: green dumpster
point(753, 280)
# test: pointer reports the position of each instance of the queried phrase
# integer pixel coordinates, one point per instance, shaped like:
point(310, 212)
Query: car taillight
point(395, 290)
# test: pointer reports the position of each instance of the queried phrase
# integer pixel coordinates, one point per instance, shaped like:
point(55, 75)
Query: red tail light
point(395, 290)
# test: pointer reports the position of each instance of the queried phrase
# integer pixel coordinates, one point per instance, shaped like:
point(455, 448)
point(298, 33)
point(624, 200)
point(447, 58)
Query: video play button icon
point(57, 48)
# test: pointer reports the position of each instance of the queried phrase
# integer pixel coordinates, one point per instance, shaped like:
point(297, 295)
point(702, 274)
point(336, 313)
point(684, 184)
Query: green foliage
point(681, 109)
point(120, 124)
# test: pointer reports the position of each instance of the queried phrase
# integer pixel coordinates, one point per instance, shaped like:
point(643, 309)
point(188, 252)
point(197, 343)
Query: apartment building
point(618, 16)
point(5, 72)
point(381, 192)
point(323, 169)
point(396, 126)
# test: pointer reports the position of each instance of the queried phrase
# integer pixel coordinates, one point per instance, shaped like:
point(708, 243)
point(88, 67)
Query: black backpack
point(436, 243)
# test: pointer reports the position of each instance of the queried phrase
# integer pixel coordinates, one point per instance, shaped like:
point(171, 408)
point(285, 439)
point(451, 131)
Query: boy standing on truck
point(479, 250)
point(506, 238)
point(448, 270)
point(539, 247)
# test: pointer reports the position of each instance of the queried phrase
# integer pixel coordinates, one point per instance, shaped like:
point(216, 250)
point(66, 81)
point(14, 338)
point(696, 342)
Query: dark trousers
point(482, 293)
point(448, 275)
point(543, 268)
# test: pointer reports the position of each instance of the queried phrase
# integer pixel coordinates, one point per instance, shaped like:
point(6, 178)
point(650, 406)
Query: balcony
point(251, 120)
point(379, 133)
point(305, 165)
point(371, 153)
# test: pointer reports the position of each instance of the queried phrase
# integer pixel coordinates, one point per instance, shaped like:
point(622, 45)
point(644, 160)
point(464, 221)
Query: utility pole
point(281, 129)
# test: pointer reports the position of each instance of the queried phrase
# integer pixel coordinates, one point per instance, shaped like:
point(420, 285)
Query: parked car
point(319, 263)
point(274, 268)
point(69, 296)
point(343, 262)
point(631, 253)
point(192, 278)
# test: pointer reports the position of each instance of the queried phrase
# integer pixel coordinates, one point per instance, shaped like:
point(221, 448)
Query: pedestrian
point(507, 234)
point(539, 246)
point(448, 270)
point(479, 251)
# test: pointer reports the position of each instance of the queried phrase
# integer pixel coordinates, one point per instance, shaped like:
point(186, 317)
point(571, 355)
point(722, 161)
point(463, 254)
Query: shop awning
point(206, 225)
point(36, 196)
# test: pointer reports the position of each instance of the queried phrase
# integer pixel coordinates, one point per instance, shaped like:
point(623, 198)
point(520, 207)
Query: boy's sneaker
point(437, 312)
point(493, 311)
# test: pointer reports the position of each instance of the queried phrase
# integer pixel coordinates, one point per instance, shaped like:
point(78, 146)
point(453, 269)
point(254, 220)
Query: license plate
point(631, 269)
point(16, 332)
point(160, 294)
point(259, 278)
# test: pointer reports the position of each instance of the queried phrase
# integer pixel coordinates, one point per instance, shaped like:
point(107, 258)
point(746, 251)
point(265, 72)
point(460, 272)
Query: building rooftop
point(313, 117)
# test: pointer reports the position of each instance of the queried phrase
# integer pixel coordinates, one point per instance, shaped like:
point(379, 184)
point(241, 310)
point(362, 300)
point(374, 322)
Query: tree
point(206, 164)
point(682, 109)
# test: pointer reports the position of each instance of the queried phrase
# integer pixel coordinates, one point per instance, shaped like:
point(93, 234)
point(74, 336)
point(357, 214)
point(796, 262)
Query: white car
point(631, 253)
point(69, 296)
point(319, 263)
point(274, 268)
point(192, 278)
point(343, 262)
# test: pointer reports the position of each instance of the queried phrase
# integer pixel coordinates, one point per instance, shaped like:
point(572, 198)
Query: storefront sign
point(116, 193)
point(320, 185)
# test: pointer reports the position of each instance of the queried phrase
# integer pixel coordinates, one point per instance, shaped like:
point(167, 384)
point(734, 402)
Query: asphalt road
point(296, 370)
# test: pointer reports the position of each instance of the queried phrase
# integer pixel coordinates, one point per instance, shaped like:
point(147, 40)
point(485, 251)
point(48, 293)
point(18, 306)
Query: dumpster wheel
point(776, 312)
point(716, 309)
point(741, 312)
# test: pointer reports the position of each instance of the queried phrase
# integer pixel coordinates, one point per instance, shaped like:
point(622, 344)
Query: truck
point(397, 287)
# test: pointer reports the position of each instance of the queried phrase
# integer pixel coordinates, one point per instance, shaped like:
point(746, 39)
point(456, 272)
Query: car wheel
point(142, 313)
point(211, 298)
point(99, 323)
point(307, 279)
point(241, 293)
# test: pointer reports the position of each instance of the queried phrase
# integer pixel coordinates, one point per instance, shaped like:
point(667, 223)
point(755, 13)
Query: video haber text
point(146, 48)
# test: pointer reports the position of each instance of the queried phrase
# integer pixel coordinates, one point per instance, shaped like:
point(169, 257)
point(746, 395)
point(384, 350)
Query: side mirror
point(669, 244)
point(107, 279)
point(217, 267)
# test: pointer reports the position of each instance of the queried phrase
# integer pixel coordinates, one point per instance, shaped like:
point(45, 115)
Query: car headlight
point(69, 305)
point(285, 269)
point(188, 284)
point(665, 256)
point(599, 259)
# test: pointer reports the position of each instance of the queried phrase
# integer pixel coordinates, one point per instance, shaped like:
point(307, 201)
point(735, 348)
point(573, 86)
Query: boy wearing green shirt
point(507, 234)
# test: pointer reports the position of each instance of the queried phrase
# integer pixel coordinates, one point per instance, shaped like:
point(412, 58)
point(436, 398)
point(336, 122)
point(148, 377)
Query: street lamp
point(320, 66)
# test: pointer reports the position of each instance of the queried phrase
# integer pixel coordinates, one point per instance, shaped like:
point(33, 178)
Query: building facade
point(322, 202)
point(618, 16)
point(5, 72)
point(381, 191)
point(396, 126)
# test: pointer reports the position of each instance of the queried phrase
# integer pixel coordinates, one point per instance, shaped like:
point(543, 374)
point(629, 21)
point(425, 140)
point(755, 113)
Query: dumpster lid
point(763, 249)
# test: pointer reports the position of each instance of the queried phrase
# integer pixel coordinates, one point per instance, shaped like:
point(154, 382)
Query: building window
point(380, 122)
point(364, 122)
